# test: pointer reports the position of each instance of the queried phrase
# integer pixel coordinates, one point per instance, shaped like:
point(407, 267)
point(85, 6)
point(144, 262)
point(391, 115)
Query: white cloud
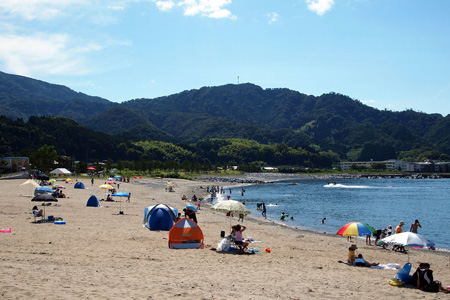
point(43, 54)
point(37, 9)
point(320, 7)
point(207, 8)
point(273, 17)
point(165, 5)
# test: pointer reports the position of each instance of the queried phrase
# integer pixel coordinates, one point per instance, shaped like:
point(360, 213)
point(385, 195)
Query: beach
point(101, 254)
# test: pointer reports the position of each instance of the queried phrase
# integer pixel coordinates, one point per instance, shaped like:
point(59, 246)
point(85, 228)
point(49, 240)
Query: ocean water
point(377, 202)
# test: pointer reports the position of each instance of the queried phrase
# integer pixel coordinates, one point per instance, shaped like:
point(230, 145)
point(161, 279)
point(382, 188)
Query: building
point(390, 164)
point(404, 166)
point(14, 164)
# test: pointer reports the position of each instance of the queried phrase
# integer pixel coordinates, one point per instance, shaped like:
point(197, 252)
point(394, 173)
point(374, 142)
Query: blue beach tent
point(43, 190)
point(93, 201)
point(160, 217)
point(79, 185)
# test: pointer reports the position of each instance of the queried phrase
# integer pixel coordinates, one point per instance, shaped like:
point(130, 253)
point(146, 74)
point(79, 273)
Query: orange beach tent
point(185, 234)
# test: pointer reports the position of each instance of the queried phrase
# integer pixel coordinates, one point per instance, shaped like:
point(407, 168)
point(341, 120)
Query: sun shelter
point(43, 190)
point(79, 185)
point(60, 171)
point(186, 234)
point(93, 201)
point(159, 217)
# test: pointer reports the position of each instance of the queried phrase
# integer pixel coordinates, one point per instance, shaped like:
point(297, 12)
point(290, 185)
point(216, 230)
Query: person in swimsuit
point(414, 226)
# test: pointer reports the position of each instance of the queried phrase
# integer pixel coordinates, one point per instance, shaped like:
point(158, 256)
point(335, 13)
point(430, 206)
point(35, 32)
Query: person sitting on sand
point(108, 198)
point(237, 233)
point(351, 254)
point(61, 194)
point(361, 262)
point(37, 212)
point(423, 279)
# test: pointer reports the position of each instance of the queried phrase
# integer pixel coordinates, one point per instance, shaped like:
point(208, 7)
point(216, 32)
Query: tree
point(45, 158)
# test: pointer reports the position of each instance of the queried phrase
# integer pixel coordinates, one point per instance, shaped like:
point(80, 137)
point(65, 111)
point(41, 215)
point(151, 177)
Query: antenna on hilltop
point(238, 79)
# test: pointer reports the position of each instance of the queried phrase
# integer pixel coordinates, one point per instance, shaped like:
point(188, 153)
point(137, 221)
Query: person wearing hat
point(351, 254)
point(399, 229)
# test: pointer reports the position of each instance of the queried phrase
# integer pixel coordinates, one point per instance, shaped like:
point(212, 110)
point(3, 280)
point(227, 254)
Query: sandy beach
point(100, 254)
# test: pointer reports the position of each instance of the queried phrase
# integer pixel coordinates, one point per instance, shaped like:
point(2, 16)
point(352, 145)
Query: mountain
point(331, 121)
point(22, 97)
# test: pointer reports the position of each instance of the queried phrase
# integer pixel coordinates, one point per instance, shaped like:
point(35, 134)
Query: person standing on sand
point(264, 210)
point(399, 229)
point(414, 226)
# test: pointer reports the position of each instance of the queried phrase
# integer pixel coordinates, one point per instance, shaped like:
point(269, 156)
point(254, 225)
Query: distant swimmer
point(323, 220)
point(292, 218)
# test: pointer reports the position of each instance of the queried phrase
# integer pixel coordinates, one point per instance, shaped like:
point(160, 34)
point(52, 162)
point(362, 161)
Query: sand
point(99, 254)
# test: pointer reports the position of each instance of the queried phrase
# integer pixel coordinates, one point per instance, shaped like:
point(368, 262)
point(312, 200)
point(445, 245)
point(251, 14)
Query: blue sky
point(389, 54)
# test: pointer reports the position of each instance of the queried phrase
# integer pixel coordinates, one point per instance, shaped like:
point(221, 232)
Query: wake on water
point(332, 185)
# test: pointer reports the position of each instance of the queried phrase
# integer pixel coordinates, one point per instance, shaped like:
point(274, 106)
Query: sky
point(388, 54)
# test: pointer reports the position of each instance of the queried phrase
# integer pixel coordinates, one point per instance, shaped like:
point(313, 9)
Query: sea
point(378, 202)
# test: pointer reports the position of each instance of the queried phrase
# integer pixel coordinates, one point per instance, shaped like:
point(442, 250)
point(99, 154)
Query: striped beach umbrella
point(356, 229)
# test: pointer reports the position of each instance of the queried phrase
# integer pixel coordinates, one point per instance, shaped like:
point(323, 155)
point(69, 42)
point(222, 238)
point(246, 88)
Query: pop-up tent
point(43, 190)
point(159, 217)
point(60, 171)
point(79, 185)
point(93, 201)
point(185, 234)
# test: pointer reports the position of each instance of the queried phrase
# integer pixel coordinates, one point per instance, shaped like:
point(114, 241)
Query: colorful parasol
point(106, 187)
point(356, 229)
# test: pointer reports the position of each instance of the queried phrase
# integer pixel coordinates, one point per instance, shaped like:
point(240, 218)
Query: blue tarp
point(93, 201)
point(79, 185)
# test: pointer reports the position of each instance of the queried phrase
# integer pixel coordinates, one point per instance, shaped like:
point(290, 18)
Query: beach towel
point(390, 266)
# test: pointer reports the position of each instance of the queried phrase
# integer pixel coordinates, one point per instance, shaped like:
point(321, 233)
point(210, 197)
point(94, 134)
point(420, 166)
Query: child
point(351, 254)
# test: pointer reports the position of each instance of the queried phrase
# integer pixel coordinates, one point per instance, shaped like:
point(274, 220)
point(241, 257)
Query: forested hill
point(22, 97)
point(331, 121)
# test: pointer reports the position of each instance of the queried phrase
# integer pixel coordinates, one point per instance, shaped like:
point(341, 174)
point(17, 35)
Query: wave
point(332, 185)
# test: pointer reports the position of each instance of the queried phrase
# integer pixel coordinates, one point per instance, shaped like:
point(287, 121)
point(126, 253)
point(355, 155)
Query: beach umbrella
point(409, 239)
point(356, 229)
point(120, 194)
point(232, 206)
point(92, 168)
point(111, 182)
point(117, 176)
point(44, 198)
point(42, 177)
point(192, 207)
point(31, 182)
point(106, 187)
point(59, 186)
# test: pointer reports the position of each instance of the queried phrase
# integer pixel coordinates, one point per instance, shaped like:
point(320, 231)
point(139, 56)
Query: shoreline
point(99, 254)
point(247, 179)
